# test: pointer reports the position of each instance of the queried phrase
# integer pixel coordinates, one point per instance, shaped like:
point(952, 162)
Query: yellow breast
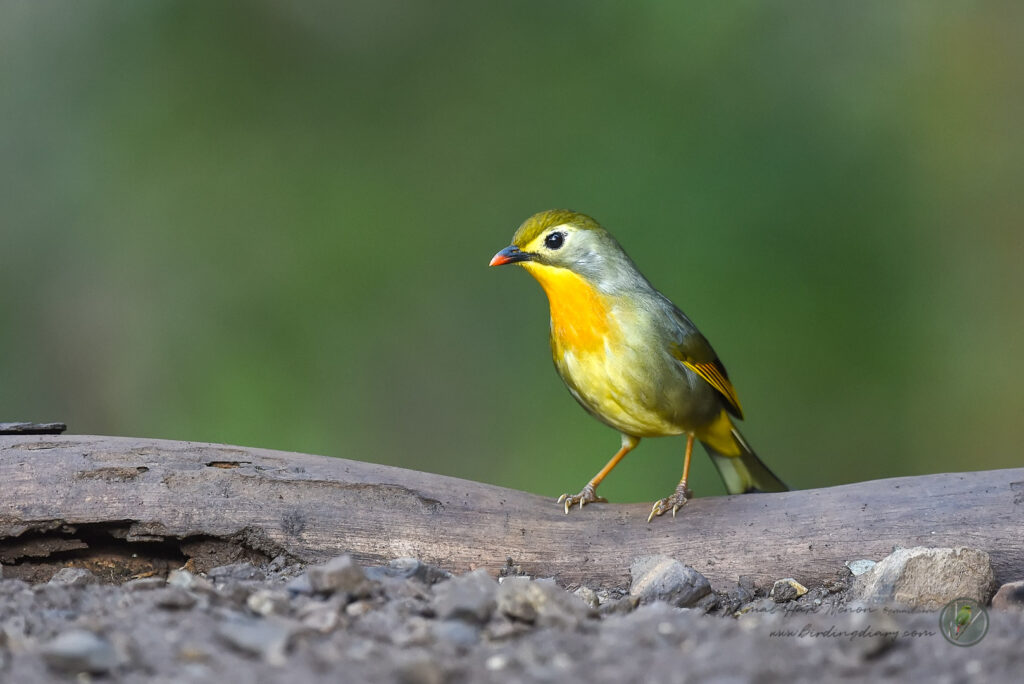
point(579, 313)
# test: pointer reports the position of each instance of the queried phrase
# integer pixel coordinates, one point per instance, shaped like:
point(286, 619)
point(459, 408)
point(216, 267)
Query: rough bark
point(130, 505)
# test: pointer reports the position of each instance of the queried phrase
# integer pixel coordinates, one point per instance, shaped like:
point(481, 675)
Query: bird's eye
point(554, 240)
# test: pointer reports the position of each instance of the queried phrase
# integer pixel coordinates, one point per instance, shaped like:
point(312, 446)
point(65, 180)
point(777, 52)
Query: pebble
point(859, 567)
point(542, 602)
point(268, 602)
point(174, 598)
point(73, 577)
point(471, 597)
point(186, 580)
point(927, 578)
point(80, 651)
point(457, 632)
point(786, 589)
point(340, 574)
point(1010, 597)
point(236, 571)
point(261, 637)
point(588, 596)
point(660, 578)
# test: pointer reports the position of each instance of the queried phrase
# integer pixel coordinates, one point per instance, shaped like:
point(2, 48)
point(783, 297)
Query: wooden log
point(59, 494)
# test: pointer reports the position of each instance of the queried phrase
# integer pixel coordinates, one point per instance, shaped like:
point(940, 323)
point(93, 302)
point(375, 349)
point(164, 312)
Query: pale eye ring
point(554, 240)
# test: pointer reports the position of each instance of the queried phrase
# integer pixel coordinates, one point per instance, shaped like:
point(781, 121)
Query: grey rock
point(340, 574)
point(786, 589)
point(268, 602)
point(357, 608)
point(1010, 597)
point(144, 584)
point(662, 578)
point(80, 651)
point(73, 577)
point(321, 616)
point(859, 567)
point(186, 580)
point(927, 578)
point(236, 571)
point(422, 670)
point(459, 633)
point(471, 597)
point(266, 638)
point(619, 606)
point(540, 601)
point(299, 585)
point(174, 598)
point(237, 591)
point(588, 596)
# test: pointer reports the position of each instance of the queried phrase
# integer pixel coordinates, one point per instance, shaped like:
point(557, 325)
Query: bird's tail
point(743, 472)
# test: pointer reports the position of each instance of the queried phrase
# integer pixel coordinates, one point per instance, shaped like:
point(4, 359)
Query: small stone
point(708, 603)
point(786, 589)
point(859, 567)
point(322, 616)
point(299, 585)
point(144, 584)
point(540, 601)
point(174, 598)
point(267, 602)
point(73, 577)
point(666, 579)
point(186, 580)
point(927, 578)
point(340, 574)
point(260, 637)
point(457, 632)
point(80, 651)
point(236, 571)
point(1009, 597)
point(421, 671)
point(619, 606)
point(470, 597)
point(588, 596)
point(357, 608)
point(415, 631)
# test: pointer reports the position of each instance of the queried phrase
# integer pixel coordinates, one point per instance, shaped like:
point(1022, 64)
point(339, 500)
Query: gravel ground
point(410, 622)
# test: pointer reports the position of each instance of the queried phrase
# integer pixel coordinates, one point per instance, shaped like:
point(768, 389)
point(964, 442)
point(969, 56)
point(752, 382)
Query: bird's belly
point(627, 389)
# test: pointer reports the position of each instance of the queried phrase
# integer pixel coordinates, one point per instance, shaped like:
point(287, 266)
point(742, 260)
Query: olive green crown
point(542, 221)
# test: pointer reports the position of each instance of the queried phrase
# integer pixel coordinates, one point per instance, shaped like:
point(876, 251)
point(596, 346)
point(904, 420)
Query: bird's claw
point(586, 495)
point(672, 503)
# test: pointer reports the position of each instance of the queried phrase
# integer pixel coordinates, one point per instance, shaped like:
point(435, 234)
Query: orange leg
point(686, 460)
point(589, 492)
point(681, 495)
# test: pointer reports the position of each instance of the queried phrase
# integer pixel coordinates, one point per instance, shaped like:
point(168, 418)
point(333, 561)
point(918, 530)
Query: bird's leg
point(589, 493)
point(682, 494)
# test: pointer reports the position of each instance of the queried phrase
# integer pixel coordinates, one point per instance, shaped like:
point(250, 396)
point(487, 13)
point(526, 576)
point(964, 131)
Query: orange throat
point(579, 313)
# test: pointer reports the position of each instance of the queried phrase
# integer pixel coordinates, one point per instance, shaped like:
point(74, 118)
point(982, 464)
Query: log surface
point(314, 507)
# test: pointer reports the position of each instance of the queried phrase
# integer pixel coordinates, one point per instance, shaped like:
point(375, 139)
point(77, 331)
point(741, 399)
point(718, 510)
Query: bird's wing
point(695, 352)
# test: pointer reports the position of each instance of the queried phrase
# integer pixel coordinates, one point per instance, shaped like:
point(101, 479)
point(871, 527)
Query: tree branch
point(74, 494)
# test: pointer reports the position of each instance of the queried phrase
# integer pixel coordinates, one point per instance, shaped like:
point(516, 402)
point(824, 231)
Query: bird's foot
point(672, 503)
point(586, 495)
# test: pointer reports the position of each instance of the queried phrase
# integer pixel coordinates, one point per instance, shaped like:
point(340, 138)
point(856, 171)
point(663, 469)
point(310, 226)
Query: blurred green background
point(269, 224)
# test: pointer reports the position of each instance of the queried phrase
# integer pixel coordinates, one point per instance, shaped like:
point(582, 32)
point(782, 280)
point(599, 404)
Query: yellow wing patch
point(713, 374)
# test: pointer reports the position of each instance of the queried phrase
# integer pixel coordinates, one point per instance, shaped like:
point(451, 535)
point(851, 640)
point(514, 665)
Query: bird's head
point(563, 239)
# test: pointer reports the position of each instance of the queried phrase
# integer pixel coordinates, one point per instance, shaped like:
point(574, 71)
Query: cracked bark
point(125, 506)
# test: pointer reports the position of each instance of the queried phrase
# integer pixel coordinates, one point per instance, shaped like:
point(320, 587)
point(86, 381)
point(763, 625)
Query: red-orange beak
point(510, 255)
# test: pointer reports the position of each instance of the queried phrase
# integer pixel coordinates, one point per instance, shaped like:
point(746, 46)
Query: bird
point(963, 620)
point(630, 356)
